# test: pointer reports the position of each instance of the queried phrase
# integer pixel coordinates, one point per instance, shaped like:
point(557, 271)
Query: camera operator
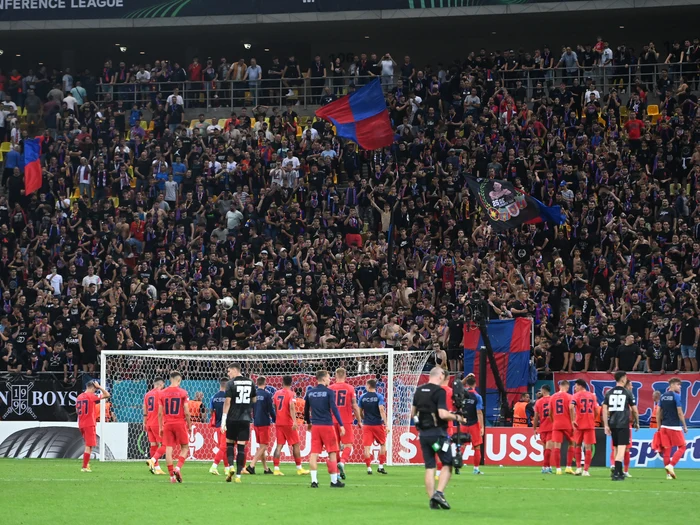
point(431, 417)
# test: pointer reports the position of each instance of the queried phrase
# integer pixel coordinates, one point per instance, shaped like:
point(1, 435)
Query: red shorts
point(475, 432)
point(89, 436)
point(560, 436)
point(222, 439)
point(584, 436)
point(353, 239)
point(154, 434)
point(262, 434)
point(545, 437)
point(372, 433)
point(323, 436)
point(348, 437)
point(669, 438)
point(287, 434)
point(175, 434)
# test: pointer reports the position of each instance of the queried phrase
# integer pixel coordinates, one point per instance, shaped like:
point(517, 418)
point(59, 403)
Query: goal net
point(129, 375)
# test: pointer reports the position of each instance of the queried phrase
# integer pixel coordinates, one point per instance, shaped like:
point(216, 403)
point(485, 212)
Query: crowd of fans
point(136, 234)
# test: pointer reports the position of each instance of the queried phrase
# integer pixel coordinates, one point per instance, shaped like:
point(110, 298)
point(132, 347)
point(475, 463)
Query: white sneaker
point(290, 93)
point(628, 475)
point(670, 471)
point(578, 472)
point(668, 476)
point(586, 474)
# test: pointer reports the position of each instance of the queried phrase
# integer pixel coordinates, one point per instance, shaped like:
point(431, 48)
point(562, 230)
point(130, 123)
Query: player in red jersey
point(583, 413)
point(562, 429)
point(542, 422)
point(175, 424)
point(85, 407)
point(346, 401)
point(151, 402)
point(286, 426)
point(451, 429)
point(474, 424)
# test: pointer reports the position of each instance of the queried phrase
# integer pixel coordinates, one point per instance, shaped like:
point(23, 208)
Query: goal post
point(128, 375)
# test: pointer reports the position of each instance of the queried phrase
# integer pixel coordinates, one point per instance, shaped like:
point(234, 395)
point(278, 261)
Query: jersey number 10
point(172, 406)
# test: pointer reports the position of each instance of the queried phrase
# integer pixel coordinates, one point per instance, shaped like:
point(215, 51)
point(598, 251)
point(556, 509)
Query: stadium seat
point(143, 124)
point(252, 122)
point(624, 114)
point(6, 146)
point(653, 112)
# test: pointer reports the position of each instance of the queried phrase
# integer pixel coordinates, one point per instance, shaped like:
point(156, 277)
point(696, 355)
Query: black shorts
point(455, 353)
point(88, 358)
point(237, 430)
point(620, 436)
point(426, 446)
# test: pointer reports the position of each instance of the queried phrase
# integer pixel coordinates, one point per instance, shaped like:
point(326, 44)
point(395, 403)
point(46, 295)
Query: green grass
point(55, 492)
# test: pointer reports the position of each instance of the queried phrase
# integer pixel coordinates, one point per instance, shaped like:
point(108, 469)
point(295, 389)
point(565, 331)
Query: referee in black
point(618, 405)
point(430, 415)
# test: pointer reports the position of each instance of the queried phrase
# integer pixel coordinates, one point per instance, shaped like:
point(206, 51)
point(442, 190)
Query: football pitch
point(56, 492)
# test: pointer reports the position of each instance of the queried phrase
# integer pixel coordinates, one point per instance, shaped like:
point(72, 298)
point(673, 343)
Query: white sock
point(314, 476)
point(341, 464)
point(238, 476)
point(334, 478)
point(277, 468)
point(381, 465)
point(214, 465)
point(369, 469)
point(298, 467)
point(437, 473)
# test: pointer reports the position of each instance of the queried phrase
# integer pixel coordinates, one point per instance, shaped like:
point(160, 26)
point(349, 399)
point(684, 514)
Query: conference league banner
point(643, 387)
point(23, 399)
point(14, 10)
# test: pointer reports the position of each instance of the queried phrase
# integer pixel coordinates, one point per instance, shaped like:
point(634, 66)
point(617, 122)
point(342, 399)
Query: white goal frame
point(245, 356)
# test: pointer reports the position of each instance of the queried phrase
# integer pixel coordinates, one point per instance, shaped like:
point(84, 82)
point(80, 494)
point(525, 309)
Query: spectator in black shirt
point(656, 355)
point(604, 356)
point(579, 356)
point(628, 355)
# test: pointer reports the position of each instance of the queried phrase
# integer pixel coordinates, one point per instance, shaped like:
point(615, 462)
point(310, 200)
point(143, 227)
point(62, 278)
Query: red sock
point(86, 459)
point(556, 454)
point(439, 466)
point(667, 456)
point(345, 455)
point(588, 458)
point(571, 451)
point(547, 458)
point(577, 456)
point(680, 451)
point(297, 462)
point(382, 459)
point(219, 456)
point(180, 461)
point(170, 470)
point(159, 453)
point(153, 450)
point(477, 458)
point(368, 461)
point(627, 460)
point(332, 467)
point(276, 462)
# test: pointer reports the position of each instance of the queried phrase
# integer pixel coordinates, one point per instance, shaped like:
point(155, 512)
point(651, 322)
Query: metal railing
point(308, 91)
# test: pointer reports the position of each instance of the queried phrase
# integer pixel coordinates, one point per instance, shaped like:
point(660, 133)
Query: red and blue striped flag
point(32, 165)
point(361, 117)
point(511, 340)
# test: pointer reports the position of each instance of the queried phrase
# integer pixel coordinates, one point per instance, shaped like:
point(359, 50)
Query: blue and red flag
point(511, 340)
point(361, 117)
point(32, 165)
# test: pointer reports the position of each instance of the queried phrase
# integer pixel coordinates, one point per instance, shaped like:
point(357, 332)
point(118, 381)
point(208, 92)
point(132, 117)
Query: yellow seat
point(22, 112)
point(653, 112)
point(6, 146)
point(151, 126)
point(2, 157)
point(193, 123)
point(624, 114)
point(252, 122)
point(143, 124)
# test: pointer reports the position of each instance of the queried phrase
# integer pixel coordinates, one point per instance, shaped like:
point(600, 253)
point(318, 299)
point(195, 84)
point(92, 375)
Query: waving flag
point(510, 339)
point(361, 117)
point(32, 165)
point(508, 207)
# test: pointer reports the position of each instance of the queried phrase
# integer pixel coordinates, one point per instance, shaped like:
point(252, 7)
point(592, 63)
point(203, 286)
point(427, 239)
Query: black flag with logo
point(508, 207)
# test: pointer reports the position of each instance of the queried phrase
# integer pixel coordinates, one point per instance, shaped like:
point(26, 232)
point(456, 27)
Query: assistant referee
point(430, 415)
